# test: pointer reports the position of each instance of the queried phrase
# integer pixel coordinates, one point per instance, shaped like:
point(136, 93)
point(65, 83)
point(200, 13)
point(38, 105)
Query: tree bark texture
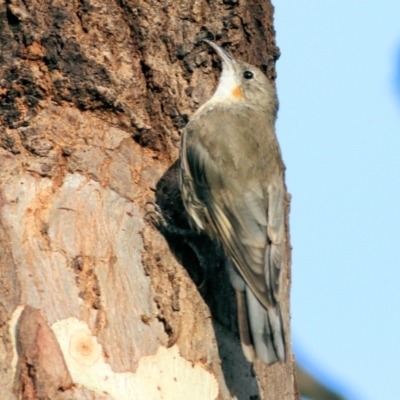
point(95, 303)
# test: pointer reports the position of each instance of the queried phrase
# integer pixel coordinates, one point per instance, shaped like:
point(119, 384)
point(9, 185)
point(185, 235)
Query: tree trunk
point(95, 303)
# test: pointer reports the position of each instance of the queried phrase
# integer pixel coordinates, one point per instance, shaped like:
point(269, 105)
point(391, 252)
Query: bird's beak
point(227, 60)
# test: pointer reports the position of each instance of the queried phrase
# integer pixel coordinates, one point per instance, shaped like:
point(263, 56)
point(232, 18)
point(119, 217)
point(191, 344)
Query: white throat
point(227, 83)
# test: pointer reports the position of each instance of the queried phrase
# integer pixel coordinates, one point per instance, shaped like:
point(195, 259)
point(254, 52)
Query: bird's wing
point(247, 219)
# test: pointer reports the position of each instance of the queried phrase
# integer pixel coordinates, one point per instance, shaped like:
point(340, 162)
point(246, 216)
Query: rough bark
point(95, 303)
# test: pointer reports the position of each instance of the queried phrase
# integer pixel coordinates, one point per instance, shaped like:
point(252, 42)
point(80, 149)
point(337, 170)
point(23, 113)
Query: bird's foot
point(155, 216)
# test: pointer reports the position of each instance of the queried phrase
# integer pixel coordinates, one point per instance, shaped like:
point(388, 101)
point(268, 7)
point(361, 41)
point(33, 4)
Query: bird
point(231, 177)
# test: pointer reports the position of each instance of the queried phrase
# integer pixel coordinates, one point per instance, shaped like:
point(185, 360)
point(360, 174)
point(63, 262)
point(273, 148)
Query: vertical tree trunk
point(93, 303)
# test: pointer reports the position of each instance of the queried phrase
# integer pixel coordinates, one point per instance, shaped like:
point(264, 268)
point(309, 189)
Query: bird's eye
point(248, 75)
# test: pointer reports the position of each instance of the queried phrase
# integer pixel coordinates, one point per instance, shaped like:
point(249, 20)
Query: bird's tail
point(261, 330)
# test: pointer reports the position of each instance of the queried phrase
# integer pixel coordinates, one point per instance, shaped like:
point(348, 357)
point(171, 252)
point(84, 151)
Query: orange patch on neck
point(237, 92)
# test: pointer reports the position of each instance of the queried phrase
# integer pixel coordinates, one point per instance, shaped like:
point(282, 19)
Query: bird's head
point(240, 81)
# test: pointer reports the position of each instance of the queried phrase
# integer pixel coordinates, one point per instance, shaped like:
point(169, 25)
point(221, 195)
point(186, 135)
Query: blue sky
point(339, 129)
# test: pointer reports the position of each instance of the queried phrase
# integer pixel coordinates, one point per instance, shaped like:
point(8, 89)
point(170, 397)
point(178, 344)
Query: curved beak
point(227, 60)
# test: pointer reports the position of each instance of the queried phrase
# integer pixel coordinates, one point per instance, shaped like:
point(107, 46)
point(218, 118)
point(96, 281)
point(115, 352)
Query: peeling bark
point(95, 303)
